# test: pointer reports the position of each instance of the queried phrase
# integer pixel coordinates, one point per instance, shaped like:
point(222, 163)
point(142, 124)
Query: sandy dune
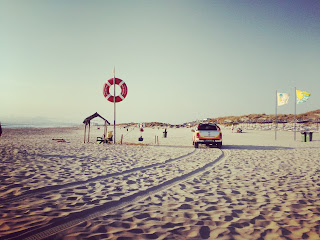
point(254, 188)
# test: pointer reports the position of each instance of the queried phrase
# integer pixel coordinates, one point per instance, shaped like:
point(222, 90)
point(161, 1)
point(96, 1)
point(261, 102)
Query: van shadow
point(252, 147)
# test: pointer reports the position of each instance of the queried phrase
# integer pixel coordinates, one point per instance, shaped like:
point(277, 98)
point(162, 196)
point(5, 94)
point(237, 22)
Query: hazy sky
point(181, 60)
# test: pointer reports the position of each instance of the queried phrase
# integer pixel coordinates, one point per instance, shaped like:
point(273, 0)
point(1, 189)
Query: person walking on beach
point(0, 130)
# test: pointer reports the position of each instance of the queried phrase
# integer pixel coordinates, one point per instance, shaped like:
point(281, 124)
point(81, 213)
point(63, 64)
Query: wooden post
point(85, 128)
point(105, 130)
point(89, 133)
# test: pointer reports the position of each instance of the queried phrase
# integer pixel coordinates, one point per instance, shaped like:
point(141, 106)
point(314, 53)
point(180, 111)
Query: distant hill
point(313, 116)
point(308, 117)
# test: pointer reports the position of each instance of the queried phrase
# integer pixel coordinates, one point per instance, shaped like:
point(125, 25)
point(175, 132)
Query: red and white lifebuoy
point(122, 85)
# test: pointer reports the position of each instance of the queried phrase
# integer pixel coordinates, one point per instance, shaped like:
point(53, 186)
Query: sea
point(38, 125)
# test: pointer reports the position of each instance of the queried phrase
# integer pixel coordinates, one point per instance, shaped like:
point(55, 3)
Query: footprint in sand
point(204, 232)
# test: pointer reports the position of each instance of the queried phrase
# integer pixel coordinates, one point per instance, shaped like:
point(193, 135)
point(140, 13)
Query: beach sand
point(255, 187)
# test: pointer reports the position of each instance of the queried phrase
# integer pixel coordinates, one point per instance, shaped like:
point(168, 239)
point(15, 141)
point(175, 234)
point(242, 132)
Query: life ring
point(106, 90)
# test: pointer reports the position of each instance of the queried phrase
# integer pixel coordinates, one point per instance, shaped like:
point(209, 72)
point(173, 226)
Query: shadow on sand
point(253, 147)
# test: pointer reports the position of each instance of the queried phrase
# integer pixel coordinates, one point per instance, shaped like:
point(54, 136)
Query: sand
point(256, 187)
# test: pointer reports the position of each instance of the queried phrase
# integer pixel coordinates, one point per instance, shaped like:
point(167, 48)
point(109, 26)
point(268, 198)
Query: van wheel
point(219, 145)
point(196, 145)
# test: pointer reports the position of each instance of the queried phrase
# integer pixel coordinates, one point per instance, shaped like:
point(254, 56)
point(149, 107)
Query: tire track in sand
point(50, 188)
point(75, 218)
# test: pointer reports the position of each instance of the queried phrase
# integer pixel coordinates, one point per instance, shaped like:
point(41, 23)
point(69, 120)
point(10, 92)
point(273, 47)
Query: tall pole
point(295, 111)
point(114, 105)
point(275, 120)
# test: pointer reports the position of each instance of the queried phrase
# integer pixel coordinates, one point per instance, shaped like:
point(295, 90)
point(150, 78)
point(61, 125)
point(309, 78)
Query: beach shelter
point(87, 123)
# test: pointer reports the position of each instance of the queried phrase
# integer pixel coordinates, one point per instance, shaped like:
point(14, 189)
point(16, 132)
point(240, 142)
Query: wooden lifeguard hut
point(87, 123)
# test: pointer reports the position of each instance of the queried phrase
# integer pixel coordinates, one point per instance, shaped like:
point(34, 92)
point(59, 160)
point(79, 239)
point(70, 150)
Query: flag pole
point(275, 120)
point(114, 105)
point(295, 111)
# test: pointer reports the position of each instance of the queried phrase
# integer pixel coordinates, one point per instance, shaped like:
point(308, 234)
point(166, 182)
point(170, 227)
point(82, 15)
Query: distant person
point(0, 130)
point(165, 133)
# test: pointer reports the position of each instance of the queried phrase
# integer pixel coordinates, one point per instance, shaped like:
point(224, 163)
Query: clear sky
point(181, 60)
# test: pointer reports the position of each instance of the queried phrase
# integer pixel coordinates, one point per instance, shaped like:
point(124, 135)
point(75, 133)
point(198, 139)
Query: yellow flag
point(302, 96)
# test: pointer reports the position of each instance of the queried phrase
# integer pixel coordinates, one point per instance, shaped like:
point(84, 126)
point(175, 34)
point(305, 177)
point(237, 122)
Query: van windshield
point(207, 127)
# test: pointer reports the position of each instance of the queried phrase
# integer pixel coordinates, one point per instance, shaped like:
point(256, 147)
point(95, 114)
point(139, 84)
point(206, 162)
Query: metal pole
point(295, 113)
point(275, 120)
point(114, 105)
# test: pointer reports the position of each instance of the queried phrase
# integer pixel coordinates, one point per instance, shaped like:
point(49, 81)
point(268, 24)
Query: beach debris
point(141, 126)
point(59, 139)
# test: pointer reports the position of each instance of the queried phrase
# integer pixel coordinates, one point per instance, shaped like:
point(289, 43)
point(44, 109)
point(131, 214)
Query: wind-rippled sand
point(262, 189)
